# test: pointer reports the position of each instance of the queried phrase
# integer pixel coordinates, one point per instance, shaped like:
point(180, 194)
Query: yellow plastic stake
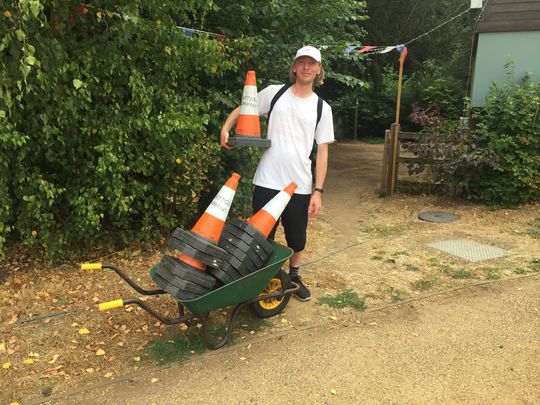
point(105, 306)
point(91, 266)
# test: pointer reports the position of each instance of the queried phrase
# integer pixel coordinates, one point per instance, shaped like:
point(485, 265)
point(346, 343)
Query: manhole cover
point(437, 216)
point(469, 249)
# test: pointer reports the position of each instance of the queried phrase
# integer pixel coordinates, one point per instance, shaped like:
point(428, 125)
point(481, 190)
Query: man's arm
point(229, 123)
point(321, 168)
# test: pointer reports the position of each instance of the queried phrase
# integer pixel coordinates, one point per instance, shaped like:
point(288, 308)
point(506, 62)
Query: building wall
point(494, 50)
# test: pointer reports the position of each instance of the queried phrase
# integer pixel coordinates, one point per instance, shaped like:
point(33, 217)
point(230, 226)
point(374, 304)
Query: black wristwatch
point(320, 190)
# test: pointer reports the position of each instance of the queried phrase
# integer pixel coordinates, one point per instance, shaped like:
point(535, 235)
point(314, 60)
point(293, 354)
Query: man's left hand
point(315, 205)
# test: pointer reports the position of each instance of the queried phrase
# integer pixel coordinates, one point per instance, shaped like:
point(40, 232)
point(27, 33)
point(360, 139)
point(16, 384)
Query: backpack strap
point(319, 111)
point(281, 92)
point(276, 98)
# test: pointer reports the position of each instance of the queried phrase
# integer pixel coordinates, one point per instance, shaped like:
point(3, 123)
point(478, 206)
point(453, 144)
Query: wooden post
point(385, 165)
point(394, 129)
point(355, 120)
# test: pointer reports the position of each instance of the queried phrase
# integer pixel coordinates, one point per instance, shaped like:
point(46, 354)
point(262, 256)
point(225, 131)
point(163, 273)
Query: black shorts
point(294, 218)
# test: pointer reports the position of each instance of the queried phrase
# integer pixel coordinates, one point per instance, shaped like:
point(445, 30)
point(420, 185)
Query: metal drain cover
point(469, 249)
point(437, 216)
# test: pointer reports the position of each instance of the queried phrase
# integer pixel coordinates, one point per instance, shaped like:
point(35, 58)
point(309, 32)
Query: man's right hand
point(224, 138)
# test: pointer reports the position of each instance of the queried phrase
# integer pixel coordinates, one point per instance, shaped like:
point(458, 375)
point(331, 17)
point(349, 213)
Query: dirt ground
point(55, 341)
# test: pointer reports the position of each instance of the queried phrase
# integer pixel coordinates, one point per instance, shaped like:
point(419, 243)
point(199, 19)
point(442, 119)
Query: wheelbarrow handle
point(91, 266)
point(105, 306)
point(124, 276)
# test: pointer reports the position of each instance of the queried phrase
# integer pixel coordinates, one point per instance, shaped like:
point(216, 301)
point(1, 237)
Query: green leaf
point(31, 60)
point(36, 7)
point(20, 34)
point(77, 83)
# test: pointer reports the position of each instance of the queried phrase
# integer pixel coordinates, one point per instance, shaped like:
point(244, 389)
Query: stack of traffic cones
point(248, 128)
point(184, 277)
point(246, 242)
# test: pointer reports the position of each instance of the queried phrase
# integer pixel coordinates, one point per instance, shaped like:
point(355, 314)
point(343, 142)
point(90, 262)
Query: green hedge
point(104, 121)
point(509, 128)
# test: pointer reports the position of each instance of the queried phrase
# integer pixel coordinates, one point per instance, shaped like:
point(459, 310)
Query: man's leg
point(294, 219)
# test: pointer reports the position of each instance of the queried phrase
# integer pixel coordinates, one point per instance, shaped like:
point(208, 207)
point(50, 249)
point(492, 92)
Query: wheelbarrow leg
point(228, 331)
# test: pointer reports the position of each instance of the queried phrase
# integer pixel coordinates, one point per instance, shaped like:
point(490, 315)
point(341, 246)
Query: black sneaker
point(303, 293)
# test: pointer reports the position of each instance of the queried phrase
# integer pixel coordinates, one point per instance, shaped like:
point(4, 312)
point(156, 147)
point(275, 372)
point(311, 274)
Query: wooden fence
point(392, 156)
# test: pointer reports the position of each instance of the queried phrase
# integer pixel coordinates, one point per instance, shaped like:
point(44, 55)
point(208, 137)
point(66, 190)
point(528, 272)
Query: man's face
point(306, 69)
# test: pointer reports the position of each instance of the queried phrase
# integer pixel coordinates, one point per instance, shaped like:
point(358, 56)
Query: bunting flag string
point(82, 9)
point(369, 49)
point(188, 32)
point(402, 49)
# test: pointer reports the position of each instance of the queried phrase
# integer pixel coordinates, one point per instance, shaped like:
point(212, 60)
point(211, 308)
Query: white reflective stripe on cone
point(277, 204)
point(220, 205)
point(249, 104)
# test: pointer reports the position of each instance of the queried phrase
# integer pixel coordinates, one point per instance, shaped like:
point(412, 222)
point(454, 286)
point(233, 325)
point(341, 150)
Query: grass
point(519, 270)
point(395, 294)
point(347, 298)
point(411, 267)
point(461, 274)
point(178, 346)
point(423, 284)
point(401, 253)
point(492, 275)
point(384, 230)
point(535, 264)
point(534, 232)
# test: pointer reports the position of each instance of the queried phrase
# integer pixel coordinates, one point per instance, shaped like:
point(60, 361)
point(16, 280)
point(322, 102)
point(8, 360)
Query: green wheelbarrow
point(266, 292)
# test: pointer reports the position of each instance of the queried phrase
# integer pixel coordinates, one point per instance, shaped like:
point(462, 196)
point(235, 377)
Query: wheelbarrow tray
point(244, 289)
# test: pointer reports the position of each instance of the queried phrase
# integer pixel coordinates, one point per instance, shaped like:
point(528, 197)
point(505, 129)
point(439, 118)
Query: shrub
point(499, 163)
point(104, 121)
point(510, 124)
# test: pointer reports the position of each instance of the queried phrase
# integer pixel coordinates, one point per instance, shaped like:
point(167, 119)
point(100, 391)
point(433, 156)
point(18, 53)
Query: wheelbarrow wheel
point(273, 306)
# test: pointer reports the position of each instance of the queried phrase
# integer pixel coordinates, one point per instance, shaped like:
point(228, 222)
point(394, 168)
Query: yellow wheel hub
point(273, 286)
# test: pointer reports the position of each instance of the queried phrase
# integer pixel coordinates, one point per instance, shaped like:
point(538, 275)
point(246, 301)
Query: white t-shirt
point(292, 131)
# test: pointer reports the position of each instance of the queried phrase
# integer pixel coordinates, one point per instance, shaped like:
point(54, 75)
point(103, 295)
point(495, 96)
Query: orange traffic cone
point(211, 223)
point(265, 219)
point(248, 128)
point(248, 123)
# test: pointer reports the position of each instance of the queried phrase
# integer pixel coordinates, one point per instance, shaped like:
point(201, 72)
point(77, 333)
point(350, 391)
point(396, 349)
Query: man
point(293, 126)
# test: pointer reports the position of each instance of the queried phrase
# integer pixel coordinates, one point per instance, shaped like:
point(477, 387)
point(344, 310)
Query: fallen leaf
point(121, 344)
point(242, 358)
point(333, 392)
point(89, 370)
point(108, 375)
point(74, 324)
point(83, 331)
point(6, 365)
point(32, 354)
point(100, 352)
point(53, 360)
point(12, 339)
point(137, 358)
point(28, 361)
point(154, 380)
point(284, 320)
point(332, 317)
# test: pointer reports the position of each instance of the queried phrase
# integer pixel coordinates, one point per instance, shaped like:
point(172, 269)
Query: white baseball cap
point(310, 51)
